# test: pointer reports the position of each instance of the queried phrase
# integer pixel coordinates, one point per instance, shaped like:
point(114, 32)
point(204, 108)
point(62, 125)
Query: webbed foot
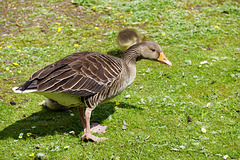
point(93, 138)
point(97, 128)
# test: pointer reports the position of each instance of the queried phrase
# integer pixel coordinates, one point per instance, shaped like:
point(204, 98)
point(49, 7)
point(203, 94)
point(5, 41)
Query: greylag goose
point(89, 78)
point(128, 37)
point(125, 39)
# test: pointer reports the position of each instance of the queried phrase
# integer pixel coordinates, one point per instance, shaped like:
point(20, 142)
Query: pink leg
point(88, 135)
point(95, 127)
point(81, 114)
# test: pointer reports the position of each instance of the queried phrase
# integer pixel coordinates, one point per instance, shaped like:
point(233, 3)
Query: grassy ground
point(187, 111)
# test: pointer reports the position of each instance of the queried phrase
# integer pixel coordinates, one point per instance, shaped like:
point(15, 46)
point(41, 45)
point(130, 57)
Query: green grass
point(162, 97)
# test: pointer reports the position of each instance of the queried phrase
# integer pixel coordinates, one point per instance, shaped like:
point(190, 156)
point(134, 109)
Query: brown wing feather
point(83, 74)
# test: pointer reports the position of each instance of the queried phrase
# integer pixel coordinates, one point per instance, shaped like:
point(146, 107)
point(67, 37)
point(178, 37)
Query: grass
point(169, 106)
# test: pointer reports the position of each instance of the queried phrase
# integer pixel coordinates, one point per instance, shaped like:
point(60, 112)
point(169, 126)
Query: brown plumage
point(128, 37)
point(89, 78)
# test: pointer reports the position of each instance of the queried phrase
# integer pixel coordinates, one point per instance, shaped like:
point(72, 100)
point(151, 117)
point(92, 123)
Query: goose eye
point(153, 50)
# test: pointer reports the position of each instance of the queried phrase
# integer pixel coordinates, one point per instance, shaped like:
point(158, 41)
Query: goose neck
point(130, 56)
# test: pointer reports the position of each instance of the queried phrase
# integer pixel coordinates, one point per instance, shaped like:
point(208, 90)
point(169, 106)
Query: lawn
point(187, 111)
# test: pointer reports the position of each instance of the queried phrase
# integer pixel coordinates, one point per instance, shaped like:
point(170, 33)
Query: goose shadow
point(48, 122)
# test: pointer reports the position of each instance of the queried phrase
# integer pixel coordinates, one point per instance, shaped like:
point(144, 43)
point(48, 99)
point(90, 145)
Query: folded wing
point(82, 74)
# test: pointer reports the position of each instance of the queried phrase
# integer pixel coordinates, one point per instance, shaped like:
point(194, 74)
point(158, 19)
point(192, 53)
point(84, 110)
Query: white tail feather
point(16, 90)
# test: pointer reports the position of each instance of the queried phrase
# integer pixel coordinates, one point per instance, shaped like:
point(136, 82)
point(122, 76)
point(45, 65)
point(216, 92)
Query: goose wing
point(82, 74)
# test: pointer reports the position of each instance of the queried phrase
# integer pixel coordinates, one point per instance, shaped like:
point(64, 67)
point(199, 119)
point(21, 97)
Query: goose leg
point(81, 114)
point(88, 135)
point(95, 127)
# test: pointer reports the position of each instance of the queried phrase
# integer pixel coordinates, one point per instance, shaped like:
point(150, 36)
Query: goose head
point(149, 50)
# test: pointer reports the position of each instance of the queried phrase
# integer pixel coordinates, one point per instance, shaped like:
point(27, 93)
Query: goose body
point(128, 37)
point(90, 78)
point(84, 74)
point(125, 39)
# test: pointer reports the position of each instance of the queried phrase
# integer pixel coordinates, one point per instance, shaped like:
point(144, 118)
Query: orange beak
point(163, 59)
